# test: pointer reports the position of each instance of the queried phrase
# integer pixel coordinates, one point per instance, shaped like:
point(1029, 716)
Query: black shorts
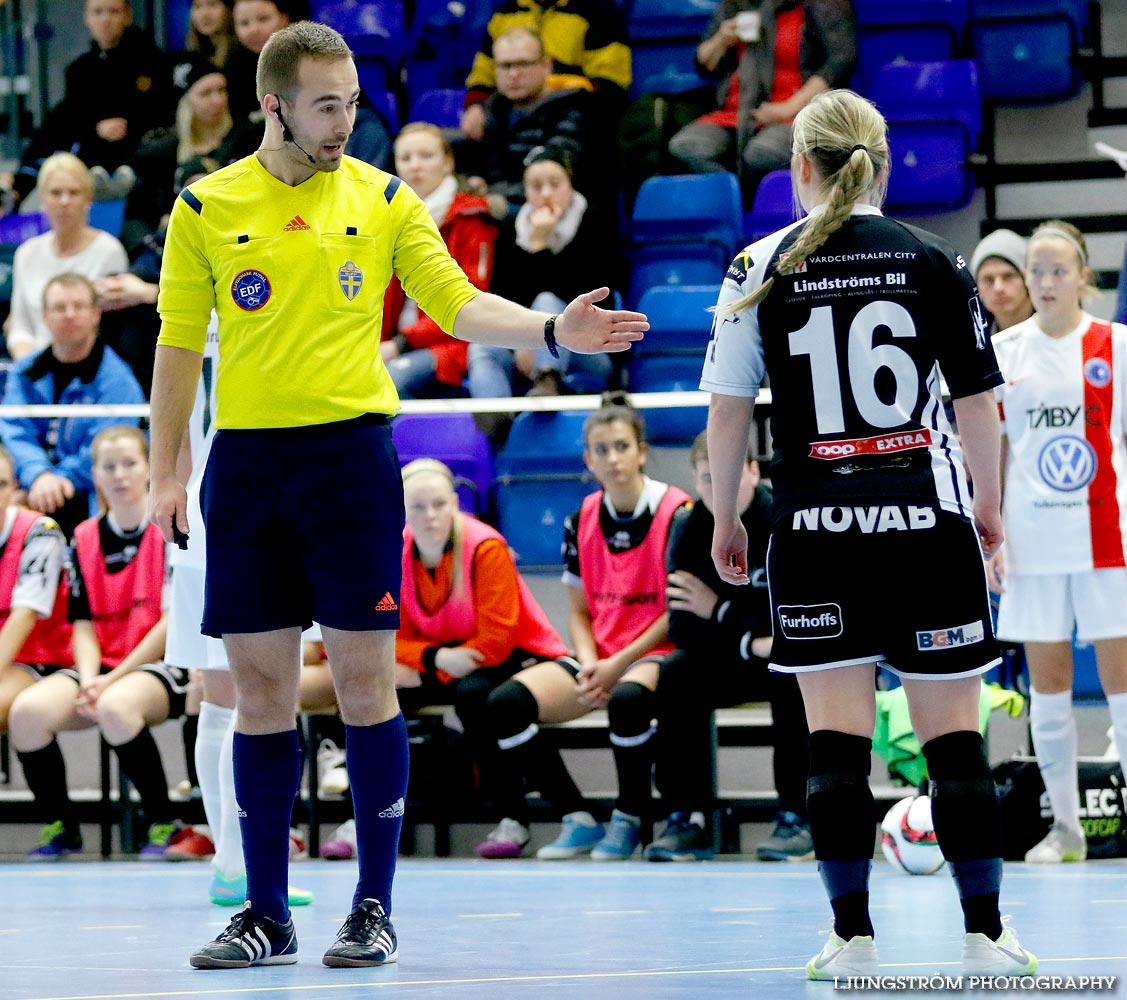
point(39, 670)
point(174, 680)
point(911, 597)
point(303, 524)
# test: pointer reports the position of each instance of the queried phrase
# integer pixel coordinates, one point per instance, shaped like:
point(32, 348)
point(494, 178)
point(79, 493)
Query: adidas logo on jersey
point(393, 811)
point(296, 225)
point(387, 603)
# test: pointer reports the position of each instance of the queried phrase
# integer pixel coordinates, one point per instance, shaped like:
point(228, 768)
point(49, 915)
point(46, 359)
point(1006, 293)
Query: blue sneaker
point(680, 840)
point(624, 834)
point(249, 939)
point(579, 835)
point(233, 891)
point(56, 843)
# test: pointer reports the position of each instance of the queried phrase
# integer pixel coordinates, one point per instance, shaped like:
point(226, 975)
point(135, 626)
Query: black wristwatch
point(550, 335)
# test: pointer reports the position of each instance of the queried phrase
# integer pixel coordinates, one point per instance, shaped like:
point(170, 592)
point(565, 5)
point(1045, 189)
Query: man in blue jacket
point(52, 456)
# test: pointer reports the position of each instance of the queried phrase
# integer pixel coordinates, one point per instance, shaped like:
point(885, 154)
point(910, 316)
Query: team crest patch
point(250, 290)
point(1097, 372)
point(351, 279)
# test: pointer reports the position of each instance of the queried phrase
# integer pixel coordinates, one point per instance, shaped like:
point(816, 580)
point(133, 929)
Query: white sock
point(1054, 741)
point(1117, 706)
point(229, 846)
point(209, 738)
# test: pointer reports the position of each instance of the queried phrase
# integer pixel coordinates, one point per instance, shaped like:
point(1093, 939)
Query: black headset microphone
point(287, 135)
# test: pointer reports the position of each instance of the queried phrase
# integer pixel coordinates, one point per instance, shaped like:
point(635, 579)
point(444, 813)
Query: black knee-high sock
point(968, 825)
point(630, 713)
point(140, 762)
point(512, 713)
point(46, 774)
point(839, 805)
point(188, 731)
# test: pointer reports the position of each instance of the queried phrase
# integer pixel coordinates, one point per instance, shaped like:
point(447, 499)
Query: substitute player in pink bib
point(1065, 509)
point(614, 549)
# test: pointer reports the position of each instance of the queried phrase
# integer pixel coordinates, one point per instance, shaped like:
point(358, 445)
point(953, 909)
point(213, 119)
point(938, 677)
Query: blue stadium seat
point(666, 68)
point(17, 228)
point(1025, 49)
point(670, 373)
point(454, 439)
point(108, 215)
point(531, 512)
point(691, 208)
point(375, 33)
point(1086, 684)
point(444, 36)
point(680, 321)
point(385, 102)
point(905, 31)
point(664, 35)
point(544, 442)
point(772, 207)
point(669, 19)
point(934, 113)
point(442, 107)
point(671, 268)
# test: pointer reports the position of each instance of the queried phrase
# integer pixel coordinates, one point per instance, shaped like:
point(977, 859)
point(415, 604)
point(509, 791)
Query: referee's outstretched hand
point(586, 329)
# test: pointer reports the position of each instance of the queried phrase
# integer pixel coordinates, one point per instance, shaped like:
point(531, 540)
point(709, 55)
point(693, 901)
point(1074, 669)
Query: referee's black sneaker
point(249, 939)
point(367, 938)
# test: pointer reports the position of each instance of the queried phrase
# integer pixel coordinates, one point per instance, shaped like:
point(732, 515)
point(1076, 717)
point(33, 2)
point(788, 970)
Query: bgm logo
point(1067, 463)
point(250, 290)
point(810, 621)
point(1097, 372)
point(946, 638)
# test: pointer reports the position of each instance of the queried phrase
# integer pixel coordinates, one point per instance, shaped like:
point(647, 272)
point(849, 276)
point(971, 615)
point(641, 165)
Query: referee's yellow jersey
point(297, 276)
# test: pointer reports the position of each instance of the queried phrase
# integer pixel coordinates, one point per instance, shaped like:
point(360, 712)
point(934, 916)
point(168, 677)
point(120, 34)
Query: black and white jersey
point(855, 342)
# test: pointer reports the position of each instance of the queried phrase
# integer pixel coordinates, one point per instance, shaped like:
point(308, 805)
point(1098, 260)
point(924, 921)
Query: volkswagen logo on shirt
point(250, 290)
point(1067, 463)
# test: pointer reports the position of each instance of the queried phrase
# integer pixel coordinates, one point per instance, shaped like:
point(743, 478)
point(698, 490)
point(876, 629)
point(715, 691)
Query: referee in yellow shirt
point(294, 247)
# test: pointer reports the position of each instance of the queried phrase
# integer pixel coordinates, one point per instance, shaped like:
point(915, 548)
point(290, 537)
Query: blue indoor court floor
point(96, 930)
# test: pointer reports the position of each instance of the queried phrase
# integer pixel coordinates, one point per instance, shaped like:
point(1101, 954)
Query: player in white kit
point(1065, 511)
point(188, 647)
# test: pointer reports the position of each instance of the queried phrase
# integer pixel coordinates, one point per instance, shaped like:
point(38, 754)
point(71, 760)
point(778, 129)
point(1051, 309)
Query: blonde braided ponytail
point(845, 138)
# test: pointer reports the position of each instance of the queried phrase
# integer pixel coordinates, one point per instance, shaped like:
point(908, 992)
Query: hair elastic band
point(857, 147)
point(1054, 231)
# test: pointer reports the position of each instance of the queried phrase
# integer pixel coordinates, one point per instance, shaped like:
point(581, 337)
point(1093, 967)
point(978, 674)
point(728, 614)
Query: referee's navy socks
point(267, 779)
point(377, 761)
point(839, 805)
point(968, 826)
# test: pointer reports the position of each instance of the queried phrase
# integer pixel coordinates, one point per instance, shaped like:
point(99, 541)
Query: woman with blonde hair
point(66, 192)
point(119, 681)
point(211, 30)
point(1063, 568)
point(854, 317)
point(469, 622)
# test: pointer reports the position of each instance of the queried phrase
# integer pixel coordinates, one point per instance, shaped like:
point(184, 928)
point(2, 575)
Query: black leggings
point(690, 687)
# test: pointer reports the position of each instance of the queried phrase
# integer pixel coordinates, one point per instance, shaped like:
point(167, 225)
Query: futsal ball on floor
point(907, 837)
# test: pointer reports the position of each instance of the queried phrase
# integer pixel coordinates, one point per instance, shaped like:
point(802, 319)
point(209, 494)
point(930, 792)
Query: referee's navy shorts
point(895, 584)
point(303, 524)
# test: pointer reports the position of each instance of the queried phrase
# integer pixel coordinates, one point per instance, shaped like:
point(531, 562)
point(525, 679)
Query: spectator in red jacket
point(422, 360)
